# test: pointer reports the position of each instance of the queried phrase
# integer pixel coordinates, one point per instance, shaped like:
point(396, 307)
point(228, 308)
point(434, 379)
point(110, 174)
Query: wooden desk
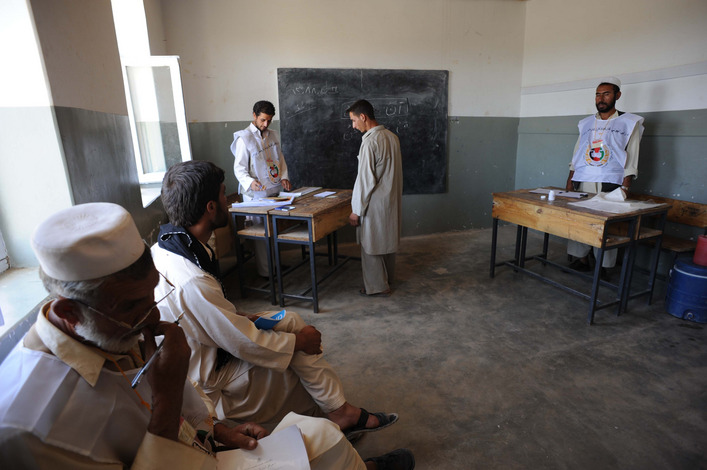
point(316, 218)
point(603, 230)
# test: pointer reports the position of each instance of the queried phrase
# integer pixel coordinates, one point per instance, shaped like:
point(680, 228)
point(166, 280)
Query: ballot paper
point(282, 450)
point(267, 201)
point(614, 203)
point(325, 193)
point(300, 192)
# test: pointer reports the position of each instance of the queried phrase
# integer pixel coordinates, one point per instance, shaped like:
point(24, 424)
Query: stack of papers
point(325, 193)
point(281, 450)
point(266, 201)
point(608, 202)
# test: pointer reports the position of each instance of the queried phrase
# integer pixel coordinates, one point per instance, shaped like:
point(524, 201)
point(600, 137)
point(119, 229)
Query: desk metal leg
point(494, 234)
point(519, 235)
point(623, 280)
point(313, 267)
point(328, 249)
point(240, 257)
point(595, 287)
point(336, 248)
point(655, 256)
point(625, 283)
point(523, 246)
point(269, 242)
point(278, 267)
point(546, 243)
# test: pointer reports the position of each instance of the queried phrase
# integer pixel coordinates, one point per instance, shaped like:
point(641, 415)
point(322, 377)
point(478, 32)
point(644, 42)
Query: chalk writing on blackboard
point(320, 144)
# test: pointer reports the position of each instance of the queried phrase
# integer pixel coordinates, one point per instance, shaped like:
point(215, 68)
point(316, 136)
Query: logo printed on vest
point(273, 171)
point(597, 155)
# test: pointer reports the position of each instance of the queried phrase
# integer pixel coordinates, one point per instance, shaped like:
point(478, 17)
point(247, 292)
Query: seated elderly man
point(250, 374)
point(66, 400)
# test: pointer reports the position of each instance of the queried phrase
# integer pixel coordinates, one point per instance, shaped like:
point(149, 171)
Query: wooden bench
point(693, 214)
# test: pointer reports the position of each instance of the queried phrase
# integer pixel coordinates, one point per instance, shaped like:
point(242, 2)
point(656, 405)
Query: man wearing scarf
point(250, 374)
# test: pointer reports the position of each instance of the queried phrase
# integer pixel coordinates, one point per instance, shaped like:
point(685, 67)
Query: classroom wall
point(657, 48)
point(520, 79)
point(33, 177)
point(73, 146)
point(230, 53)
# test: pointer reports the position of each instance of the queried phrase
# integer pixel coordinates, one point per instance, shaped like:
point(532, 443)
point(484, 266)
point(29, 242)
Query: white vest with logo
point(44, 396)
point(601, 154)
point(264, 157)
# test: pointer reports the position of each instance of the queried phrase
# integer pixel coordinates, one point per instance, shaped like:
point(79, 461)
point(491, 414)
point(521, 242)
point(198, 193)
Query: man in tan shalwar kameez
point(376, 204)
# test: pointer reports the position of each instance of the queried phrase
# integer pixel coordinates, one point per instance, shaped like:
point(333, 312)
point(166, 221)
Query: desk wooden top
point(557, 217)
point(311, 206)
point(328, 214)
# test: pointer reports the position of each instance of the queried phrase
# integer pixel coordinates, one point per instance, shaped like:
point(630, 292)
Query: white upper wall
point(657, 47)
point(231, 49)
point(26, 84)
point(82, 63)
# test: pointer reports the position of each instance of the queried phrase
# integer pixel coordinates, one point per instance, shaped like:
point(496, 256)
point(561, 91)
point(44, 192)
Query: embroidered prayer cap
point(87, 241)
point(611, 80)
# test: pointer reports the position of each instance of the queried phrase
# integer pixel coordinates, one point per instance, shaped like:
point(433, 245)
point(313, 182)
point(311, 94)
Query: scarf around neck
point(179, 241)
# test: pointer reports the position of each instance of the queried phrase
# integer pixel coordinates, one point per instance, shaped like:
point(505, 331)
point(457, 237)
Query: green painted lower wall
point(672, 163)
point(486, 155)
point(481, 160)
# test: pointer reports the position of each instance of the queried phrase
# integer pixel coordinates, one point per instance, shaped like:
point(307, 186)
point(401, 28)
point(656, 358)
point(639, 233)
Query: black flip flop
point(384, 420)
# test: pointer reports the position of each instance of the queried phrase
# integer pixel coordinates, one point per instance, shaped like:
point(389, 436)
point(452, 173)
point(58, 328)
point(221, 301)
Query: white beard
point(115, 344)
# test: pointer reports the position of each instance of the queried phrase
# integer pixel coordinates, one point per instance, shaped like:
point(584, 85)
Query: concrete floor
point(505, 373)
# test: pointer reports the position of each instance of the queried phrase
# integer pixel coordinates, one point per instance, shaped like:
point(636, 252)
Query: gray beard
point(88, 331)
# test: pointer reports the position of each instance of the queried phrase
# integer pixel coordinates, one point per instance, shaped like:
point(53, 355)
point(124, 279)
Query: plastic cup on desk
point(551, 195)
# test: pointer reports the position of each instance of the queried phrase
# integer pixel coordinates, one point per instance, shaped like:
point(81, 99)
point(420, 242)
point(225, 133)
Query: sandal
point(384, 420)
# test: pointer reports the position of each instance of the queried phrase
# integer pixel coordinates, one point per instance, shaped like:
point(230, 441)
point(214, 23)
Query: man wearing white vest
point(259, 165)
point(605, 158)
point(68, 399)
point(376, 202)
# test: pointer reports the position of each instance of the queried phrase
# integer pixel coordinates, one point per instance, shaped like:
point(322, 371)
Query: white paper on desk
point(307, 189)
point(283, 450)
point(325, 193)
point(601, 203)
point(263, 202)
point(570, 194)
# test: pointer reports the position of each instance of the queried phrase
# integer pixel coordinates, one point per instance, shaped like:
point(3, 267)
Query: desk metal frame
point(242, 234)
point(598, 229)
point(322, 217)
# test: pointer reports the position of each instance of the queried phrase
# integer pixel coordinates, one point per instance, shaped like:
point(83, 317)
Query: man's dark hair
point(187, 188)
point(616, 88)
point(265, 107)
point(362, 107)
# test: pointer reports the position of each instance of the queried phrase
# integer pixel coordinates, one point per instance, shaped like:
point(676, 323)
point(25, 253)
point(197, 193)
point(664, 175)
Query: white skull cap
point(612, 80)
point(87, 241)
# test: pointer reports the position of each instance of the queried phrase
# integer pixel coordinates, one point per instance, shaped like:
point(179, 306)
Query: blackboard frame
point(319, 144)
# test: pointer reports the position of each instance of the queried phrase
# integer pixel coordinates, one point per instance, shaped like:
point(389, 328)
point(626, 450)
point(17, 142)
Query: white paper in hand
point(283, 450)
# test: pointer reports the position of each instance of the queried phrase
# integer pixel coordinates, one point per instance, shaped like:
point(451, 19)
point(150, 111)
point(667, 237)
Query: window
point(153, 89)
point(157, 118)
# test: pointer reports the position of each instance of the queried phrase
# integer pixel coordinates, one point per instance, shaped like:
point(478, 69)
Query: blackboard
point(321, 147)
